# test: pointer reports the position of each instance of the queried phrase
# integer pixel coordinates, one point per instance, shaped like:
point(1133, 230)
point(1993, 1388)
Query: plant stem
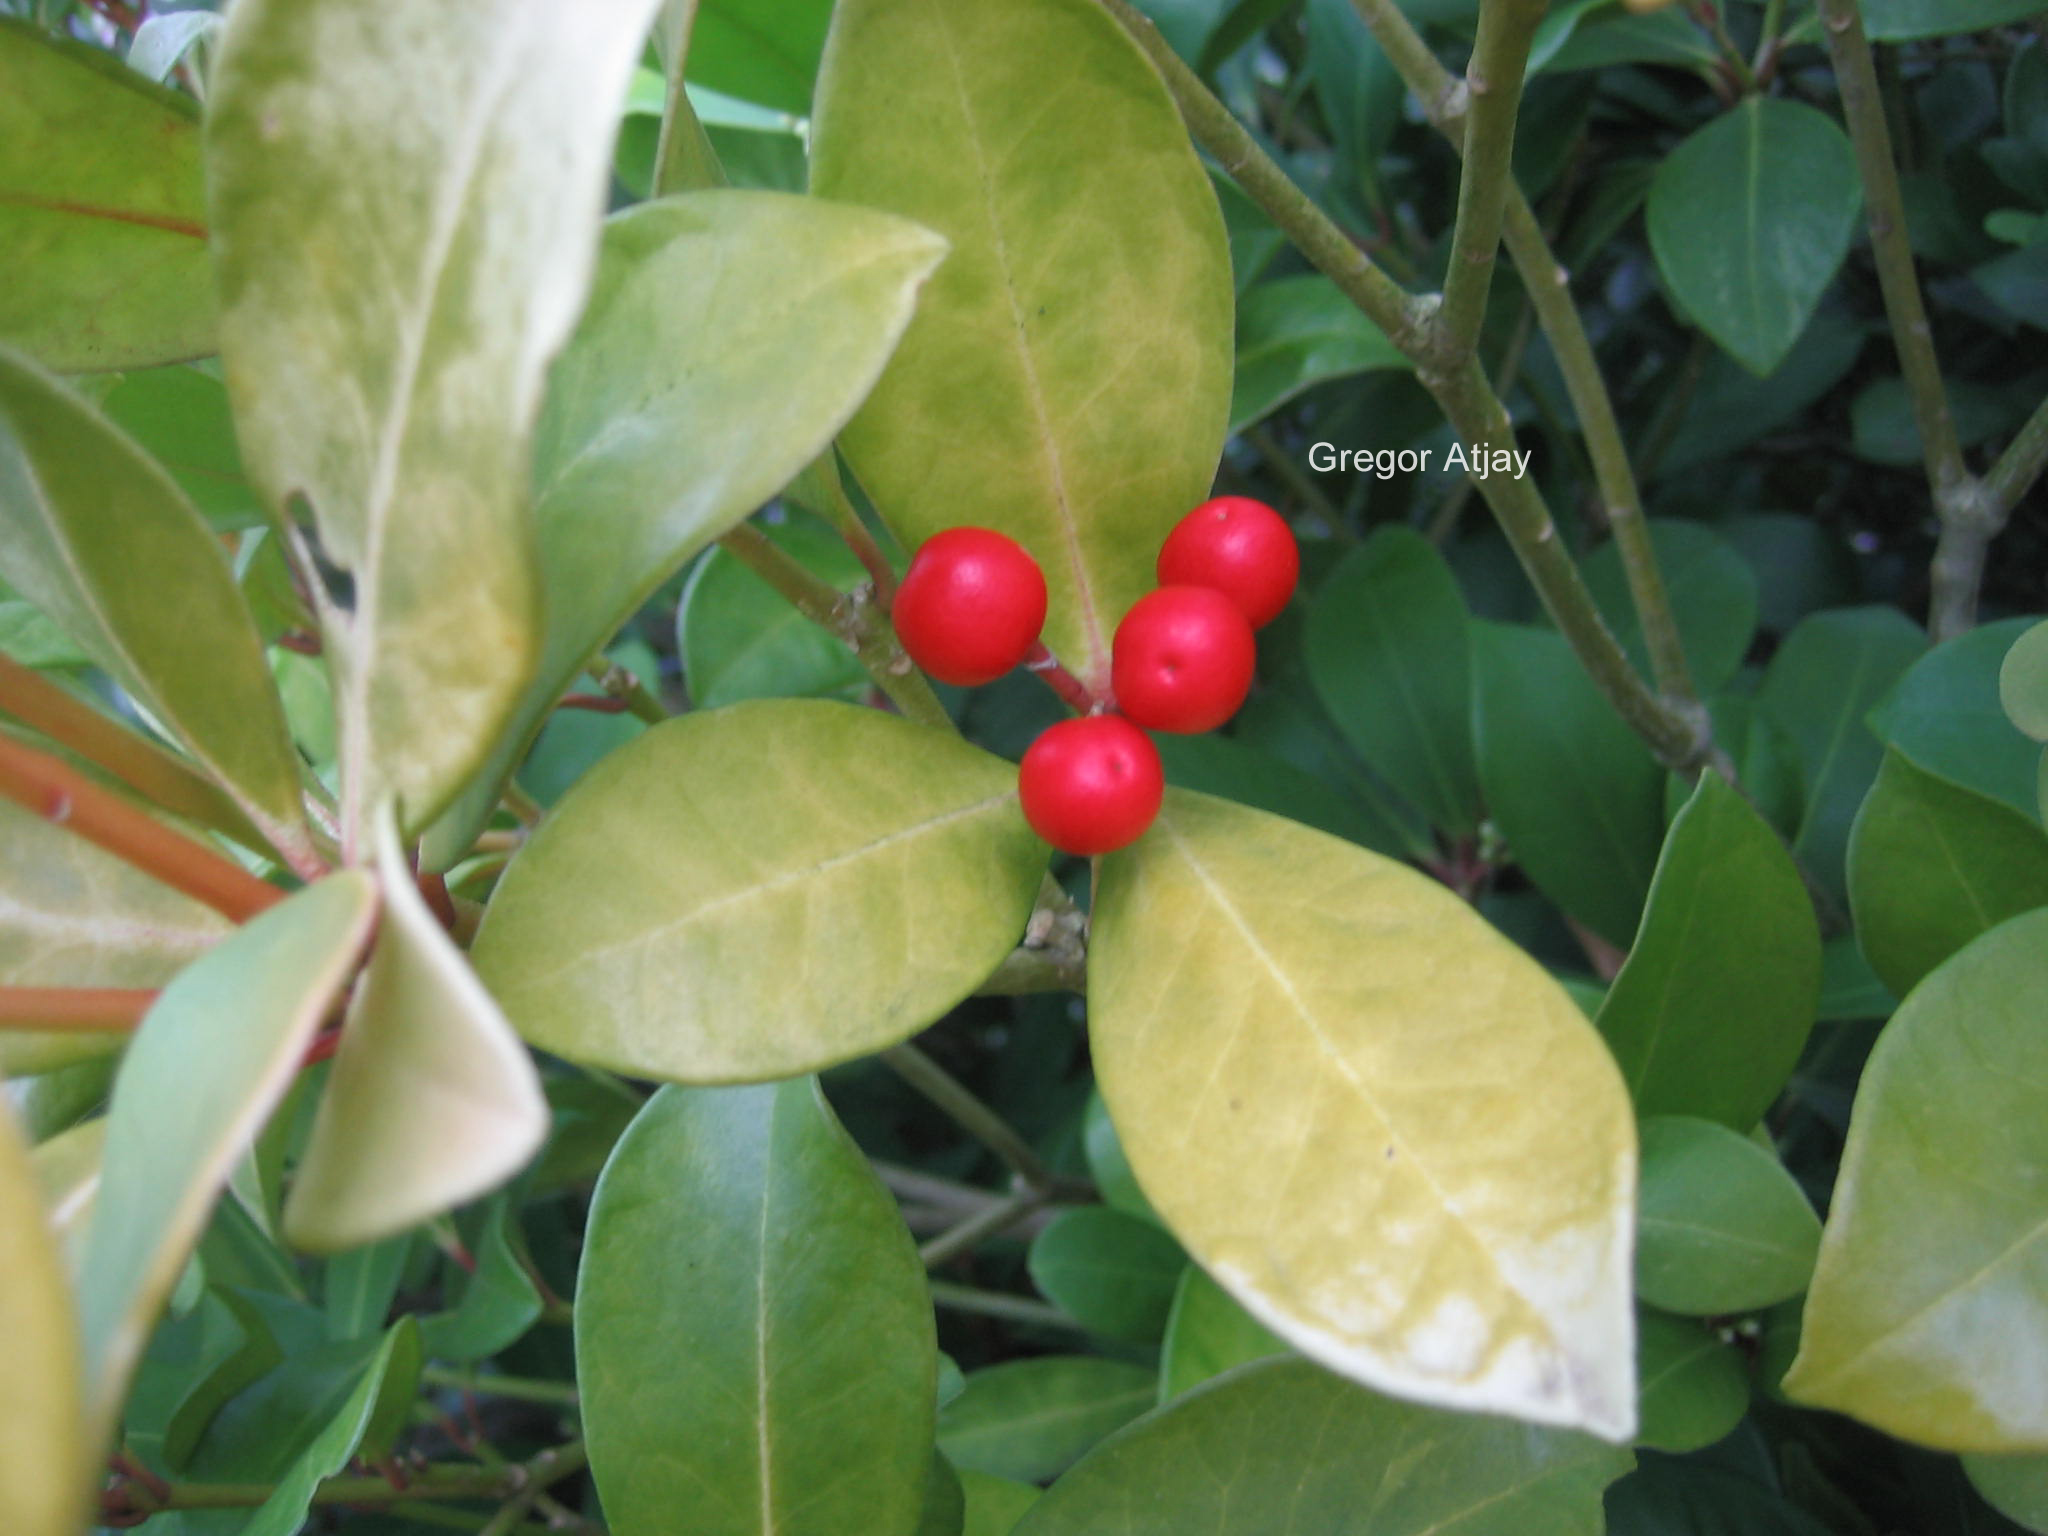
point(2020, 465)
point(1048, 669)
point(1493, 83)
point(978, 1228)
point(525, 1389)
point(1015, 1309)
point(1300, 483)
point(852, 616)
point(433, 1482)
point(1548, 286)
point(138, 762)
point(63, 796)
point(542, 1473)
point(619, 683)
point(85, 1009)
point(970, 1114)
point(1679, 734)
point(1969, 520)
point(821, 488)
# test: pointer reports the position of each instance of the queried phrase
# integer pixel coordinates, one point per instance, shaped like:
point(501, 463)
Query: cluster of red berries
point(973, 602)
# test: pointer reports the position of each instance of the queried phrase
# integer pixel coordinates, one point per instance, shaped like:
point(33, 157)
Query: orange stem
point(69, 1008)
point(63, 796)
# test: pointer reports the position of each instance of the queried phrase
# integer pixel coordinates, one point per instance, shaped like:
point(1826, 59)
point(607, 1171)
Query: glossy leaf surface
point(1297, 332)
point(1390, 654)
point(99, 538)
point(1927, 1315)
point(1712, 592)
point(1032, 1419)
point(729, 336)
point(2023, 682)
point(1819, 688)
point(1713, 1006)
point(740, 639)
point(405, 213)
point(779, 1381)
point(1350, 1151)
point(1694, 1387)
point(1894, 21)
point(101, 210)
point(1721, 1226)
point(1208, 1334)
point(1238, 1457)
point(1750, 217)
point(1932, 865)
point(1003, 407)
point(758, 891)
point(432, 1101)
point(1578, 798)
point(210, 1062)
point(1112, 1273)
point(45, 1455)
point(1947, 715)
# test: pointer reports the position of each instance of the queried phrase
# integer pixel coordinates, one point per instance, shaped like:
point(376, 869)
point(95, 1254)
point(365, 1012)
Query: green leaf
point(216, 1053)
point(1577, 796)
point(760, 50)
point(2023, 682)
point(1390, 654)
point(1666, 1496)
point(729, 336)
point(1694, 1387)
point(759, 891)
point(101, 210)
point(1713, 1006)
point(1927, 1317)
point(1003, 407)
point(98, 537)
point(497, 1304)
point(361, 1285)
point(1030, 1420)
point(994, 1504)
point(945, 1501)
point(1946, 715)
point(1818, 688)
point(1350, 1149)
point(1886, 427)
point(1233, 768)
point(1932, 865)
point(1208, 1334)
point(237, 1349)
point(373, 1410)
point(1617, 37)
point(2015, 1486)
point(1296, 332)
point(741, 639)
point(180, 418)
point(1359, 88)
point(1897, 21)
point(386, 349)
point(74, 915)
point(1721, 1226)
point(1107, 1165)
point(432, 1101)
point(46, 1456)
point(1712, 592)
point(778, 1380)
point(1749, 219)
point(1113, 1274)
point(1283, 1440)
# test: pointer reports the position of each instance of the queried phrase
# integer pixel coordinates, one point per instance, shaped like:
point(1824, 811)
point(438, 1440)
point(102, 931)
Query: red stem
point(63, 796)
point(1045, 666)
point(69, 1008)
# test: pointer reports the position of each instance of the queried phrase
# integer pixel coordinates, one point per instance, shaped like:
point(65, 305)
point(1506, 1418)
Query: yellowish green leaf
point(45, 1455)
point(101, 210)
point(1928, 1317)
point(1067, 379)
point(405, 209)
point(73, 915)
point(755, 892)
point(209, 1063)
point(100, 538)
point(1427, 1187)
point(729, 336)
point(68, 1168)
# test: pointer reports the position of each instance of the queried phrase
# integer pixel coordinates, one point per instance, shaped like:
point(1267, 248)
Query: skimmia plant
point(525, 1008)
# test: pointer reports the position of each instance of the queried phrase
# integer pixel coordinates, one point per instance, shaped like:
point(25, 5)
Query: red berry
point(1091, 785)
point(1182, 660)
point(971, 605)
point(1242, 548)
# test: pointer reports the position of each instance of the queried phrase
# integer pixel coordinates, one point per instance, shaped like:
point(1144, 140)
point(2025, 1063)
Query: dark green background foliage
point(1749, 904)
